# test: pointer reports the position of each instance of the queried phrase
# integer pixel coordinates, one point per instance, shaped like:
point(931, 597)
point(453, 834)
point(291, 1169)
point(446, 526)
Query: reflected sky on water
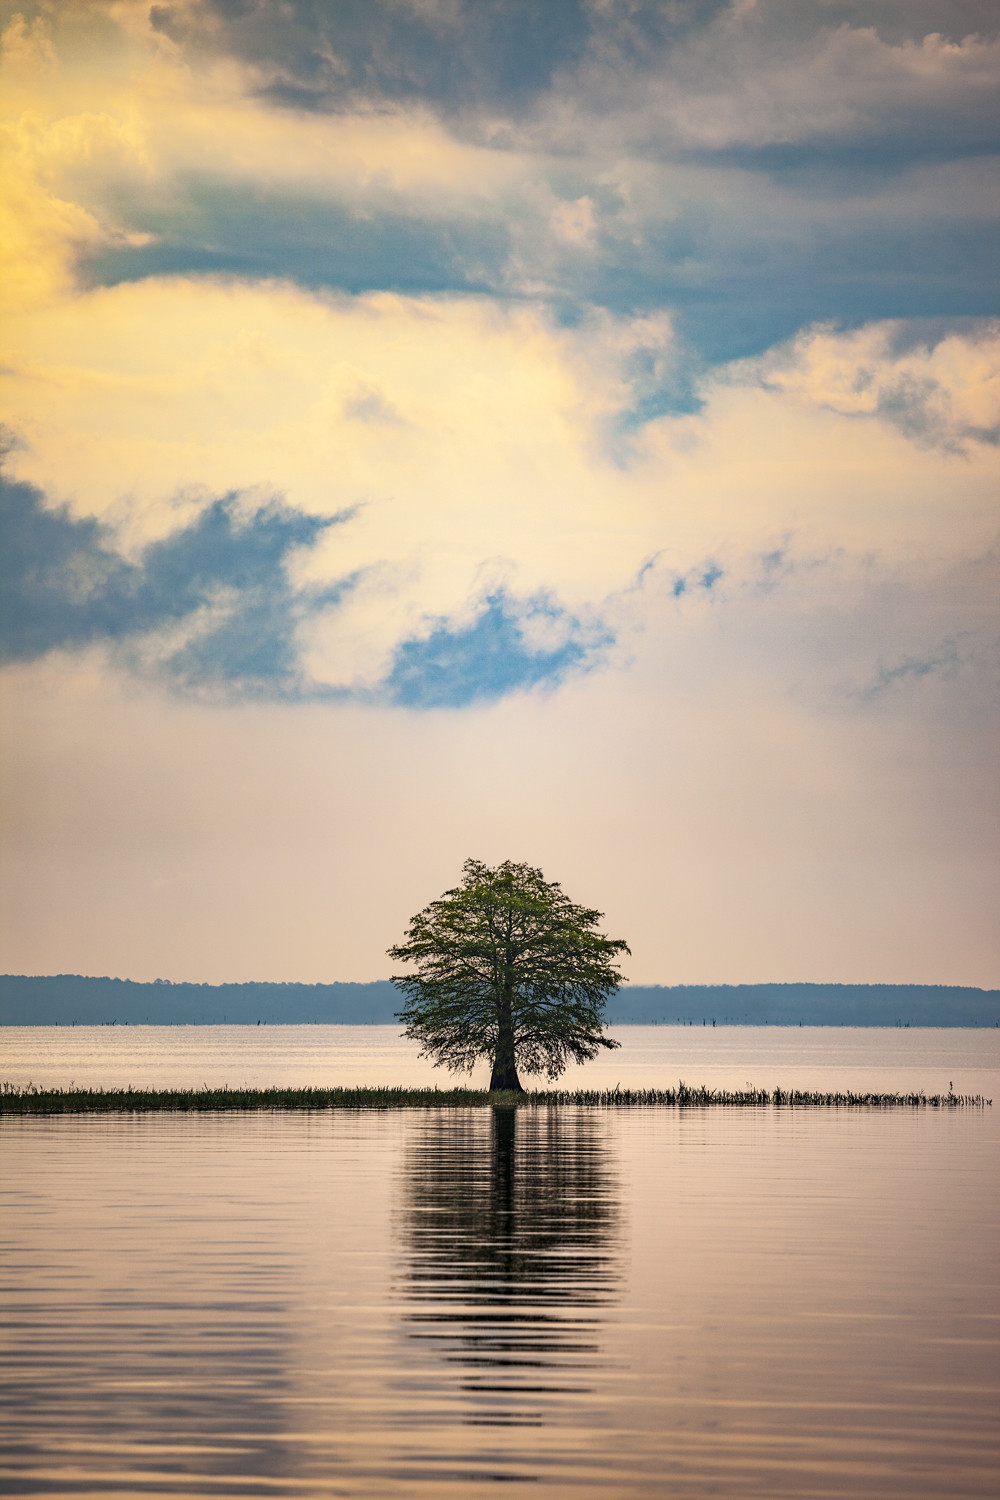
point(812, 1057)
point(647, 1302)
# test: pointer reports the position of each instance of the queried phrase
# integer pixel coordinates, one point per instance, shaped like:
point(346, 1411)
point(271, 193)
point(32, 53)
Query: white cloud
point(136, 402)
point(941, 390)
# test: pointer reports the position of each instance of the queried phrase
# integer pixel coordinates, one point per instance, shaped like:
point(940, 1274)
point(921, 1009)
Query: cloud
point(211, 608)
point(458, 54)
point(706, 76)
point(213, 225)
point(704, 578)
point(761, 84)
point(943, 658)
point(939, 386)
point(62, 584)
point(369, 405)
point(44, 229)
point(210, 605)
point(457, 432)
point(753, 169)
point(741, 260)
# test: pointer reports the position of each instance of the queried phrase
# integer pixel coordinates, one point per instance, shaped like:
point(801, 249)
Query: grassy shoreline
point(32, 1101)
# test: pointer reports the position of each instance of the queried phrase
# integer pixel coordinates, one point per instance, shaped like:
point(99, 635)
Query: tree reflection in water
point(511, 1228)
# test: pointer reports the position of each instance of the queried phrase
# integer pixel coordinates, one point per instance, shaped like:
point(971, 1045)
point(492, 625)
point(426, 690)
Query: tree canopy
point(506, 967)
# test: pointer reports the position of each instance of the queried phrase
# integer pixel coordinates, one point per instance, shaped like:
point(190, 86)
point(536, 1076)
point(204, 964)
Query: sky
point(565, 433)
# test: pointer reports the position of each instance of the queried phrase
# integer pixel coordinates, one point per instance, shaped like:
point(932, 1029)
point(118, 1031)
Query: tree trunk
point(504, 1067)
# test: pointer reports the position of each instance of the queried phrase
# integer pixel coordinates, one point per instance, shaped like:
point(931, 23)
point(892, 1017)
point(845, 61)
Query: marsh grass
point(34, 1101)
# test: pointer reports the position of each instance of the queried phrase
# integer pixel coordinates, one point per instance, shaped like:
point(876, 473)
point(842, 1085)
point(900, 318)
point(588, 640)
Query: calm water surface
point(655, 1056)
point(589, 1302)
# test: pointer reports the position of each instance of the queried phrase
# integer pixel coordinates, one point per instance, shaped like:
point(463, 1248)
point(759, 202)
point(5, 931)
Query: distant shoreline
point(31, 1101)
point(611, 1025)
point(82, 1000)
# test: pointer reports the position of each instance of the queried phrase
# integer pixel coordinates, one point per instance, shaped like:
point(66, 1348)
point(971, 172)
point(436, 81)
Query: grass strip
point(35, 1101)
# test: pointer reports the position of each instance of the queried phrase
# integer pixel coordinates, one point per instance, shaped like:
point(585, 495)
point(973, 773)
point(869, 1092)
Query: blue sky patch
point(484, 661)
point(224, 575)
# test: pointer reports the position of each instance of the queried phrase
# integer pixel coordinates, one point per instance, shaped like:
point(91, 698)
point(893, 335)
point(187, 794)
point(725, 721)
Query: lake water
point(615, 1302)
point(825, 1057)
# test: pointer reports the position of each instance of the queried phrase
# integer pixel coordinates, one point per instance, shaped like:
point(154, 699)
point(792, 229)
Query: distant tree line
point(67, 999)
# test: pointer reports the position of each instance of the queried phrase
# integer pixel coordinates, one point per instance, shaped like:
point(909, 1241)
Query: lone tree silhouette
point(507, 968)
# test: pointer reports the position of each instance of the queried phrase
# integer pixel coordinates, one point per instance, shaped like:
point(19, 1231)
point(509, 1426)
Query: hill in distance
point(74, 999)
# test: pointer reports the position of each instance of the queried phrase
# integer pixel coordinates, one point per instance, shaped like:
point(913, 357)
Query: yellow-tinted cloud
point(28, 53)
point(941, 390)
point(477, 444)
point(136, 111)
point(42, 229)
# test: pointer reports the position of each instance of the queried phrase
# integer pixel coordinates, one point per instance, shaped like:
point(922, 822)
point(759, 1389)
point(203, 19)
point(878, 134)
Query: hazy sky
point(559, 431)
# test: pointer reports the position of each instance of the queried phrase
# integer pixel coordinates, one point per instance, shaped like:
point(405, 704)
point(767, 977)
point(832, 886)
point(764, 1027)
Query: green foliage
point(507, 968)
